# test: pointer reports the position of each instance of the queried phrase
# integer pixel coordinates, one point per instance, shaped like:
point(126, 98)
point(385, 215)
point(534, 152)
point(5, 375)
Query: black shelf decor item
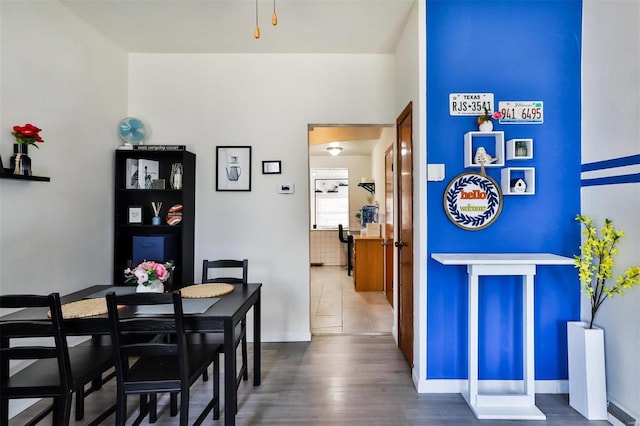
point(369, 186)
point(8, 174)
point(141, 234)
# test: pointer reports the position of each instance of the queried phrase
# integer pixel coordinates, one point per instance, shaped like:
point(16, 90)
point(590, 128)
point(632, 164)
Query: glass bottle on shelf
point(521, 149)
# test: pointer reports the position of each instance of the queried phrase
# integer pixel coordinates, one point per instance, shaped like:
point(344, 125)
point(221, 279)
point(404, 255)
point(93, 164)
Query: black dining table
point(223, 316)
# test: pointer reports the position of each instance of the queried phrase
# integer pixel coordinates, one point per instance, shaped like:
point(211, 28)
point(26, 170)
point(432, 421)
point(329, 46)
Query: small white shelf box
point(528, 174)
point(511, 149)
point(493, 142)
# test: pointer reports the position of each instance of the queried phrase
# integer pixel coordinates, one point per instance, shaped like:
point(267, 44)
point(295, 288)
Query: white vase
point(155, 286)
point(486, 126)
point(587, 381)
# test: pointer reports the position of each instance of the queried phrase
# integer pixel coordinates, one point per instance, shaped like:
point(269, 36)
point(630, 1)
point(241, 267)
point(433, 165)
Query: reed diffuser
point(156, 206)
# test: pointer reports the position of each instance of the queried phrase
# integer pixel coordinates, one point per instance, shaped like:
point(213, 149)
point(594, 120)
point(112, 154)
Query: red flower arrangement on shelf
point(27, 135)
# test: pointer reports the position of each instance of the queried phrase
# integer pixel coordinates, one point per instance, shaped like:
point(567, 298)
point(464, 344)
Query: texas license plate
point(470, 103)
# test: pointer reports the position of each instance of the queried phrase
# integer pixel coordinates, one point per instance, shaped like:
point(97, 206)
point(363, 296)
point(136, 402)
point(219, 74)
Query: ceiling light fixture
point(256, 32)
point(274, 17)
point(334, 150)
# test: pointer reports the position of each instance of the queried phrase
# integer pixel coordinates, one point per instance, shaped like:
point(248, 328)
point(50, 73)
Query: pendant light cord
point(256, 32)
point(274, 17)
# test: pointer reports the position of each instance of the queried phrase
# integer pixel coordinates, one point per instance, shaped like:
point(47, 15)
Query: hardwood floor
point(334, 380)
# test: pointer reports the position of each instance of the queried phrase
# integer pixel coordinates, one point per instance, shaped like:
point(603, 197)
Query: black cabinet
point(134, 212)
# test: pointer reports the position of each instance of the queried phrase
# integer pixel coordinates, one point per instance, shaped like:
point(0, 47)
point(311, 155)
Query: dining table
point(223, 316)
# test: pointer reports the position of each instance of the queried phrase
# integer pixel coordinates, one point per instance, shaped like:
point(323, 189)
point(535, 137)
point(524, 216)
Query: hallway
point(336, 308)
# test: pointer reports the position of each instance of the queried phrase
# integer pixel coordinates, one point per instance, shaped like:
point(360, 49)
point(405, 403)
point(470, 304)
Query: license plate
point(521, 112)
point(470, 103)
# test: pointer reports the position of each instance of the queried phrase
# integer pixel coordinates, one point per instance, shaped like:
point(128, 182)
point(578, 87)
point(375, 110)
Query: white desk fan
point(132, 131)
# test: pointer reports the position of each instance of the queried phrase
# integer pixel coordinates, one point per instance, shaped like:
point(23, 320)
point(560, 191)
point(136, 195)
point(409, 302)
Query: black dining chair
point(349, 241)
point(169, 365)
point(232, 272)
point(57, 370)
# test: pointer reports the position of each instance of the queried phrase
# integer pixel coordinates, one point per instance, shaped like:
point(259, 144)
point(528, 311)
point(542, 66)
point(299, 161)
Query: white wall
point(410, 82)
point(265, 101)
point(611, 93)
point(64, 77)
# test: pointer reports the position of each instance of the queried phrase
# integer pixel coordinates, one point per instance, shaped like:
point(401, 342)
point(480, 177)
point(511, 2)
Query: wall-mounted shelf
point(492, 142)
point(369, 186)
point(7, 174)
point(519, 149)
point(518, 181)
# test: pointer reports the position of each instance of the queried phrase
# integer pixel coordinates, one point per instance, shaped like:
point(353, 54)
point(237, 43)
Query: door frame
point(389, 232)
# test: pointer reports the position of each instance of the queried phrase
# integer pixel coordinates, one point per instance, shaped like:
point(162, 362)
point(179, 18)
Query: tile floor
point(336, 308)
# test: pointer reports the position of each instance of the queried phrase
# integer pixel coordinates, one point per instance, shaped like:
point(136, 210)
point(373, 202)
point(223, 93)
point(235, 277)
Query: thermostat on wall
point(286, 188)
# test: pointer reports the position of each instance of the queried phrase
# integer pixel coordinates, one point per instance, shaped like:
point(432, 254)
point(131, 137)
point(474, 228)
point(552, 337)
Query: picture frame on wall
point(271, 168)
point(134, 215)
point(233, 168)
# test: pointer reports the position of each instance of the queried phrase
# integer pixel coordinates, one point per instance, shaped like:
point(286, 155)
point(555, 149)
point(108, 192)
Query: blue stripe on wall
point(614, 162)
point(611, 180)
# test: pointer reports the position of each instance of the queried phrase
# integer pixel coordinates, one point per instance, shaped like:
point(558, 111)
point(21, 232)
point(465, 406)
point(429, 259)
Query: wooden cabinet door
point(369, 264)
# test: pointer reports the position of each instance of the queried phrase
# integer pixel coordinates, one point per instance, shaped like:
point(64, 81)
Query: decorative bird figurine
point(482, 157)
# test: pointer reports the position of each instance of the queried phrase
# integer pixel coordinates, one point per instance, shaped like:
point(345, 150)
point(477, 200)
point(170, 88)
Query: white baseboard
point(281, 337)
point(614, 421)
point(459, 385)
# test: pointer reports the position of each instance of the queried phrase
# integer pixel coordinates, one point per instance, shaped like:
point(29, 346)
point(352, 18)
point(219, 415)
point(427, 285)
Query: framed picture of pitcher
point(233, 168)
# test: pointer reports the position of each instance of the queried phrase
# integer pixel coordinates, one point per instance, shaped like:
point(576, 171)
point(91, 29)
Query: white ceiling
point(227, 26)
point(359, 147)
point(353, 139)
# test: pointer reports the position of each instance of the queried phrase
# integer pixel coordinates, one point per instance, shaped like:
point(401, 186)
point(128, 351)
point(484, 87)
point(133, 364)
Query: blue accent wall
point(517, 50)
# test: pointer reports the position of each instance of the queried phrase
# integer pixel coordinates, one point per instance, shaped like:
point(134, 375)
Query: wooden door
point(388, 224)
point(404, 150)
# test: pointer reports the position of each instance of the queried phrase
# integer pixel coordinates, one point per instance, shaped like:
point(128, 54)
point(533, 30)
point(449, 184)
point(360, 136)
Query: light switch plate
point(286, 188)
point(435, 172)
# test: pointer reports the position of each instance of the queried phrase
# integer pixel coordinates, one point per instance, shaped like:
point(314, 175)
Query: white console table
point(505, 405)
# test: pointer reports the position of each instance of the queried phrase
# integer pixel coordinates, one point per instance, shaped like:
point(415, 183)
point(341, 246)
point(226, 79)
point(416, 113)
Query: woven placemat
point(199, 291)
point(84, 308)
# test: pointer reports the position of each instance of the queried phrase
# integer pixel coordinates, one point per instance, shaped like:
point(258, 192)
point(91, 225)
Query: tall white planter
point(587, 380)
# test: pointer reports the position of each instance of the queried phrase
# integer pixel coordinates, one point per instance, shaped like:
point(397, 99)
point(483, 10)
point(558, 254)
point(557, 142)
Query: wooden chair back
point(126, 332)
point(166, 363)
point(216, 271)
point(51, 344)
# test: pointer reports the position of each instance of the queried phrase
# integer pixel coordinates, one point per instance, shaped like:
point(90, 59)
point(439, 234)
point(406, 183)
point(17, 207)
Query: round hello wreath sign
point(472, 201)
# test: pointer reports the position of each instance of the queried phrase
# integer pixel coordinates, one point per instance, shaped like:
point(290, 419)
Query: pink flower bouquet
point(147, 272)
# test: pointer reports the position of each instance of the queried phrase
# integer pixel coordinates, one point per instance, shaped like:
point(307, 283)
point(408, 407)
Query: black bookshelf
point(181, 234)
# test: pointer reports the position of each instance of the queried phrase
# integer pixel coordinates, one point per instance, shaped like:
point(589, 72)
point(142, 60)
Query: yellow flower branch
point(595, 264)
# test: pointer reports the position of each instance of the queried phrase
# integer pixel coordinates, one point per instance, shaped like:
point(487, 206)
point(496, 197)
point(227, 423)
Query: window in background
point(330, 204)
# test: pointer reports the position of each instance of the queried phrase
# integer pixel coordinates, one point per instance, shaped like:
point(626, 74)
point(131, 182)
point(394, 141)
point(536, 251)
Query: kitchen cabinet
point(368, 255)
